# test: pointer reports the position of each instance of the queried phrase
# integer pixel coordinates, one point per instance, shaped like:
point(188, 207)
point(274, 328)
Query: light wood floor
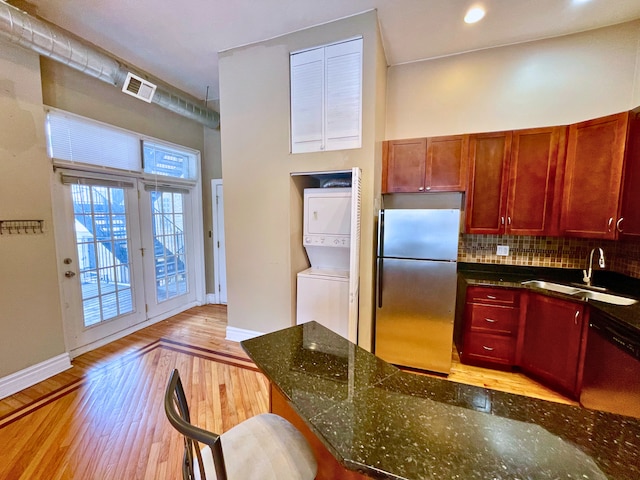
point(104, 418)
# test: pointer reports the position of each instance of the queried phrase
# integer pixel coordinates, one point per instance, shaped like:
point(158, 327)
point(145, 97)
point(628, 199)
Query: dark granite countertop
point(390, 424)
point(628, 317)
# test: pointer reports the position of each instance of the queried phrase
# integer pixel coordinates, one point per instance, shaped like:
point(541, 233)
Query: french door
point(126, 255)
point(167, 254)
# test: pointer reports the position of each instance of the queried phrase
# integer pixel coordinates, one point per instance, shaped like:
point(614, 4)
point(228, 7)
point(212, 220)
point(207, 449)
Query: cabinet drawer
point(494, 319)
point(490, 348)
point(492, 296)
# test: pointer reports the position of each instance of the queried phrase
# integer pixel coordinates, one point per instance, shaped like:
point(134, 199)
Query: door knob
point(69, 274)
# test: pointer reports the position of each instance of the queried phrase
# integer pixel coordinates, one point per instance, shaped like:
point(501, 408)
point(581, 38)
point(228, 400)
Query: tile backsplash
point(621, 256)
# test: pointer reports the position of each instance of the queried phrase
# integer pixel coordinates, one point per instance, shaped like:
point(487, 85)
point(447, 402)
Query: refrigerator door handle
point(381, 233)
point(380, 261)
point(380, 254)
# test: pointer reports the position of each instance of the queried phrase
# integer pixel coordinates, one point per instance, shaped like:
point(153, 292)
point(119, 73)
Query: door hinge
point(218, 243)
point(146, 308)
point(219, 289)
point(216, 199)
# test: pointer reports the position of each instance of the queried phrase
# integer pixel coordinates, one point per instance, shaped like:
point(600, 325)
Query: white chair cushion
point(207, 462)
point(264, 447)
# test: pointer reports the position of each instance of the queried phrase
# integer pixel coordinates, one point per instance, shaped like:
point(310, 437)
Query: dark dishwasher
point(611, 380)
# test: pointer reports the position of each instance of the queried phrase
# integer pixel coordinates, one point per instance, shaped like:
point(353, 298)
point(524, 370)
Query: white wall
point(256, 166)
point(550, 82)
point(211, 168)
point(30, 313)
point(31, 326)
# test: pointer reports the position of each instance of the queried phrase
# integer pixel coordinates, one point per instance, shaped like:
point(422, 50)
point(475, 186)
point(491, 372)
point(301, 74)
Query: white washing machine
point(323, 289)
point(323, 296)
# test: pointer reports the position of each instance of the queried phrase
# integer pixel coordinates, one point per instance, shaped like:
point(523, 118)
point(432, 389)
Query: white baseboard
point(212, 298)
point(239, 334)
point(31, 375)
point(123, 333)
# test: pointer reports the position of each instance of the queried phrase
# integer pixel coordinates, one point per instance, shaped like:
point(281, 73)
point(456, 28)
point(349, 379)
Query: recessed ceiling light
point(474, 15)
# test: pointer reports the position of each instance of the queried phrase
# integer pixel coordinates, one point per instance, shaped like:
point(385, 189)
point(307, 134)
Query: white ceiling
point(178, 41)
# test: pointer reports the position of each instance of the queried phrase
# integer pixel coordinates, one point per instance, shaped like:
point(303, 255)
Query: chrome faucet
point(588, 275)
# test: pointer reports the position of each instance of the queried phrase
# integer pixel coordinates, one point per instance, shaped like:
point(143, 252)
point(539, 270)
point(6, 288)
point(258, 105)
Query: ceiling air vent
point(139, 87)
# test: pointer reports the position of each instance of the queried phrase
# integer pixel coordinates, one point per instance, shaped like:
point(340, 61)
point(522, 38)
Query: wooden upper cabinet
point(533, 198)
point(593, 177)
point(486, 192)
point(628, 225)
point(513, 187)
point(447, 163)
point(437, 164)
point(404, 165)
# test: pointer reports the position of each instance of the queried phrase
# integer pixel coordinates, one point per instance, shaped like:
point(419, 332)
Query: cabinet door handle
point(490, 320)
point(428, 188)
point(420, 189)
point(502, 220)
point(488, 349)
point(575, 319)
point(491, 297)
point(619, 224)
point(609, 224)
point(508, 220)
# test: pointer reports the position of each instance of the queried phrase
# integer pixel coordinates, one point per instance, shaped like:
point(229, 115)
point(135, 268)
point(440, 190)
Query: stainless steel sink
point(605, 297)
point(554, 287)
point(580, 292)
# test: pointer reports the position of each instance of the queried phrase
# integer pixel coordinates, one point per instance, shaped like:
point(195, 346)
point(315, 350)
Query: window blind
point(80, 140)
point(160, 187)
point(81, 178)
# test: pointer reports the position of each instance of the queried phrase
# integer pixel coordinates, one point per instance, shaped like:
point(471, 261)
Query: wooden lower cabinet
point(328, 467)
point(544, 336)
point(492, 318)
point(552, 348)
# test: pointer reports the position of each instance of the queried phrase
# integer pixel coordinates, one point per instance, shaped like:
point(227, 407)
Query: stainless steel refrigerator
point(416, 287)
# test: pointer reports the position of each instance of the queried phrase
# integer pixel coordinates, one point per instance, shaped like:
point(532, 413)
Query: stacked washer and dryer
point(323, 289)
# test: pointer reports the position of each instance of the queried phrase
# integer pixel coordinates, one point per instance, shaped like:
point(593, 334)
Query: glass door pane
point(102, 242)
point(169, 247)
point(98, 242)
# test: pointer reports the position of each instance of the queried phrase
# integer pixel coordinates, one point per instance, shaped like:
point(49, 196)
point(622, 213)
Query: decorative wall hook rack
point(21, 227)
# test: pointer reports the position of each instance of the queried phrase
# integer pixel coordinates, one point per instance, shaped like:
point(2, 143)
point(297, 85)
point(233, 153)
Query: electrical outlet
point(502, 250)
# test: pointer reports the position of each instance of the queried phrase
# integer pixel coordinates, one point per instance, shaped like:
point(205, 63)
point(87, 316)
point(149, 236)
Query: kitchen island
point(389, 424)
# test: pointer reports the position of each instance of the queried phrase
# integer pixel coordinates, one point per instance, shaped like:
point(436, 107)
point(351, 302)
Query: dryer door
point(327, 213)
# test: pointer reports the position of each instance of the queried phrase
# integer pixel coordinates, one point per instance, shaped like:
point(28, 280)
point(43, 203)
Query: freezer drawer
point(415, 313)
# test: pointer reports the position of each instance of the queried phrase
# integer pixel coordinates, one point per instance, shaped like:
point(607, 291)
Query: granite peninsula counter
point(509, 276)
point(388, 424)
